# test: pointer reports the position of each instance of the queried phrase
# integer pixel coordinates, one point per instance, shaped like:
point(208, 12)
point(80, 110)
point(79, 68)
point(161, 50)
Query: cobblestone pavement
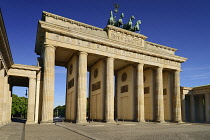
point(103, 131)
point(144, 131)
point(51, 132)
point(12, 131)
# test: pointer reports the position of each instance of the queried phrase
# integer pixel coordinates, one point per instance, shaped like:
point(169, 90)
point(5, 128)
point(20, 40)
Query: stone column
point(192, 108)
point(140, 93)
point(48, 84)
point(177, 101)
point(82, 88)
point(207, 104)
point(31, 101)
point(159, 93)
point(109, 103)
point(1, 94)
point(183, 108)
point(5, 100)
point(200, 109)
point(9, 104)
point(37, 97)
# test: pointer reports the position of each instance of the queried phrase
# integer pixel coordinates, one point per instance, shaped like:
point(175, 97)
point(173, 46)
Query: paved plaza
point(102, 131)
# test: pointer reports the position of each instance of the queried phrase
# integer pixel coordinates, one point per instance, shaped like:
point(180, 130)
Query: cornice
point(201, 87)
point(117, 29)
point(105, 41)
point(5, 47)
point(26, 67)
point(161, 46)
point(44, 14)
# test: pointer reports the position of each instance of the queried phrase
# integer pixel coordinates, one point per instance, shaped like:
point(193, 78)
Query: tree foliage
point(19, 106)
point(59, 111)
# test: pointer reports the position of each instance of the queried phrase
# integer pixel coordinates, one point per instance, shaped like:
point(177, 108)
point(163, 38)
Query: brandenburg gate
point(130, 78)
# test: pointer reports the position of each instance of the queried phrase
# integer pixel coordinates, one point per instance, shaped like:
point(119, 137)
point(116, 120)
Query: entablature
point(62, 32)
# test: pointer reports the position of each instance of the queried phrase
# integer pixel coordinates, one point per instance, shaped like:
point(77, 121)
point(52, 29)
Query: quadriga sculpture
point(128, 25)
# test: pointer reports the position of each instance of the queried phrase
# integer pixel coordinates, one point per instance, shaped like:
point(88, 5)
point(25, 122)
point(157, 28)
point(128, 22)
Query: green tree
point(19, 106)
point(60, 111)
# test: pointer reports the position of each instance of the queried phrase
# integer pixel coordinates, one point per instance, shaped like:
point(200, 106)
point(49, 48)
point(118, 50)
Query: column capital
point(83, 53)
point(32, 78)
point(140, 64)
point(177, 70)
point(159, 67)
point(109, 58)
point(49, 45)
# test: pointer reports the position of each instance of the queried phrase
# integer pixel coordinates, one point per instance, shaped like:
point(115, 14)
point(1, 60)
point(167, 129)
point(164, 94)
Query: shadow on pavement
point(19, 120)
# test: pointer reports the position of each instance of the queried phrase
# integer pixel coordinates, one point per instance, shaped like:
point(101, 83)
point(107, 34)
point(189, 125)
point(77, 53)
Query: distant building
point(196, 104)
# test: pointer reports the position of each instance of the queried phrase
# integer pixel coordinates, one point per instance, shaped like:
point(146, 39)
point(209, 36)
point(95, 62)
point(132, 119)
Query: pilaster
point(48, 84)
point(140, 93)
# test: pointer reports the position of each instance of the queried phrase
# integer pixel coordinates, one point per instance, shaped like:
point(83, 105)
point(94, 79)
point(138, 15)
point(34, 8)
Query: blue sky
point(181, 24)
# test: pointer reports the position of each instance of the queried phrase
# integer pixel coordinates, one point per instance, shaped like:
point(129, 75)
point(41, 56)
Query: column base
point(4, 123)
point(81, 121)
point(141, 121)
point(179, 122)
point(161, 121)
point(1, 123)
point(30, 122)
point(207, 122)
point(110, 121)
point(47, 122)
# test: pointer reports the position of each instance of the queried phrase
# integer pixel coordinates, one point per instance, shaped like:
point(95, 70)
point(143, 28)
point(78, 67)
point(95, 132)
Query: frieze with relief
point(126, 38)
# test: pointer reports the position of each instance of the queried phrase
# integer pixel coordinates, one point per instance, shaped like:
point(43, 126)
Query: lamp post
point(25, 103)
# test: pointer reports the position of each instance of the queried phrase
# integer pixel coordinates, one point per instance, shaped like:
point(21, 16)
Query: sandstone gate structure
point(140, 78)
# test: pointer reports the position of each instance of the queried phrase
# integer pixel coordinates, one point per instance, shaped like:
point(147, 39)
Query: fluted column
point(37, 92)
point(82, 88)
point(177, 102)
point(1, 94)
point(109, 111)
point(159, 92)
point(48, 84)
point(192, 108)
point(5, 100)
point(9, 104)
point(140, 93)
point(31, 101)
point(201, 109)
point(183, 107)
point(207, 107)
